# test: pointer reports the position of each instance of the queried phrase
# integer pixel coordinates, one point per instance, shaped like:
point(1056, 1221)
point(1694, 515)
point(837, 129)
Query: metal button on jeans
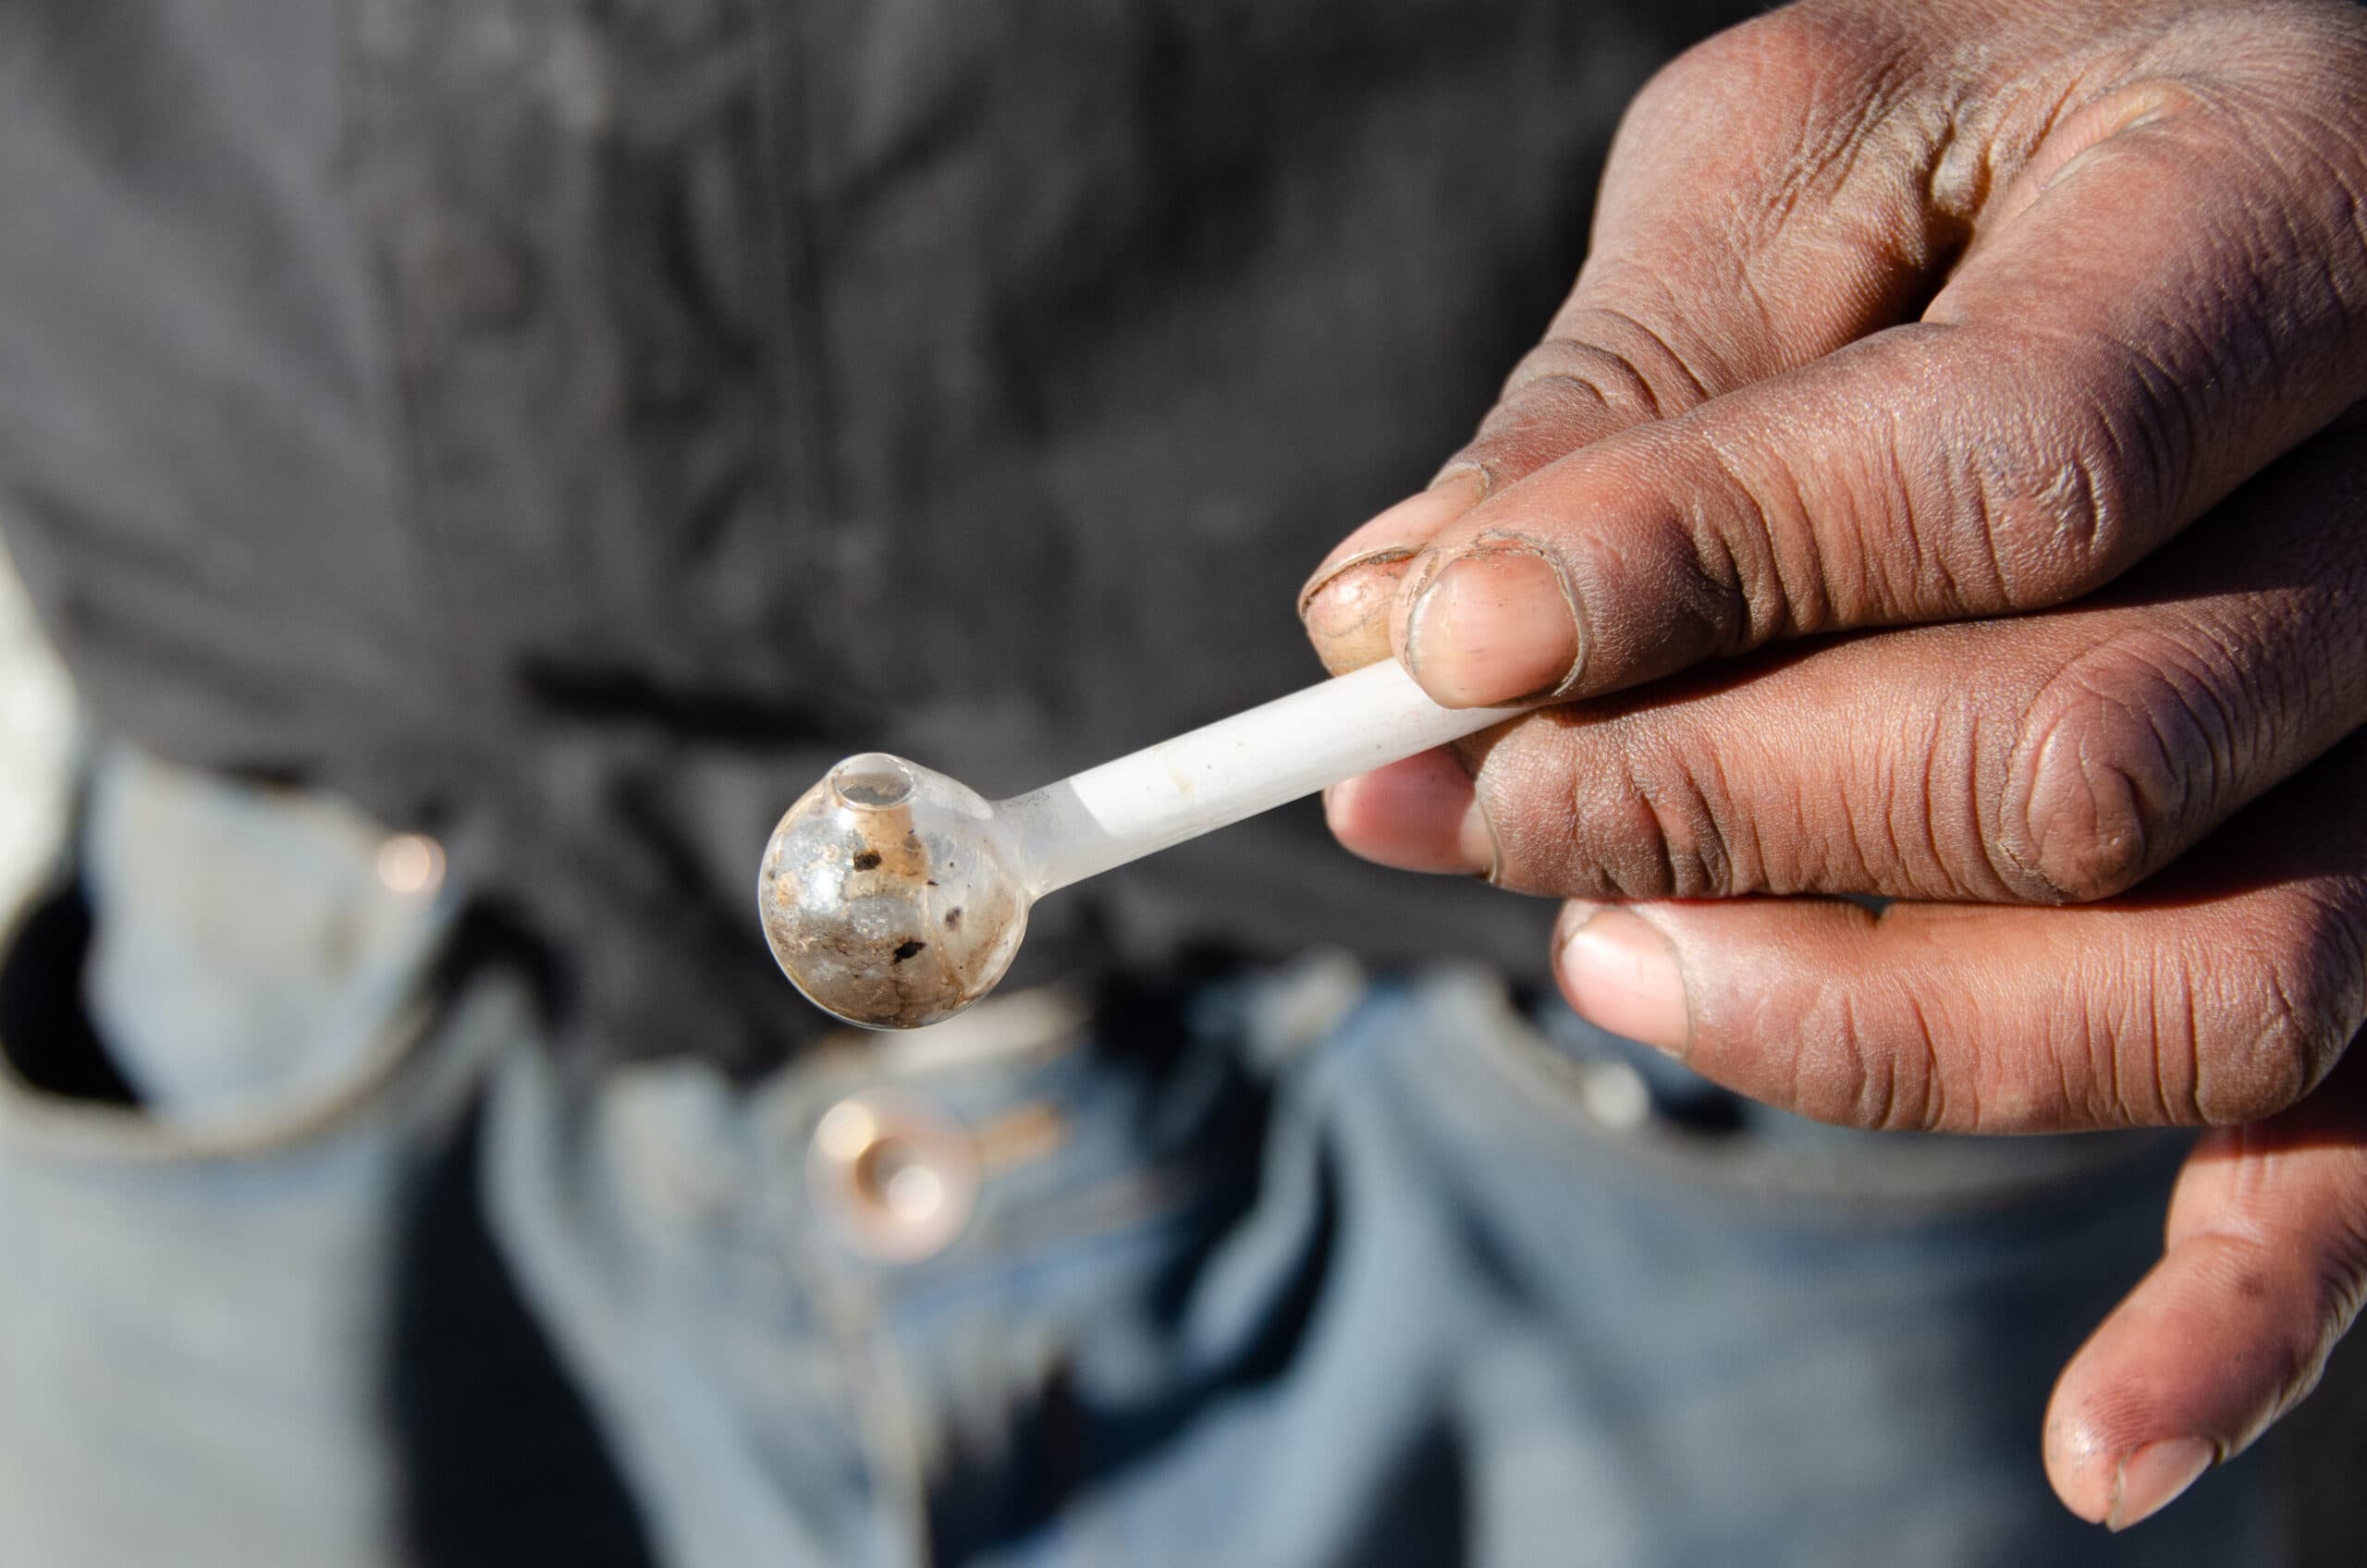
point(896, 1179)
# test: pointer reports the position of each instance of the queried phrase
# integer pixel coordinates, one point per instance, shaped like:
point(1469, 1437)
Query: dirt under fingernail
point(1353, 594)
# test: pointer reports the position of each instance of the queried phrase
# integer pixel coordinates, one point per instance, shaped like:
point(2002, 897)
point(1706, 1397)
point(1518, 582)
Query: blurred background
point(36, 746)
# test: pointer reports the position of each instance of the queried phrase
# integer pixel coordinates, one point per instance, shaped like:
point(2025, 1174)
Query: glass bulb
point(889, 895)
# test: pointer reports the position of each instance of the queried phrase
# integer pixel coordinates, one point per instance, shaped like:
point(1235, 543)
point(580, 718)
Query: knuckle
point(2267, 1066)
point(1564, 394)
point(2111, 766)
point(2063, 490)
point(1726, 550)
point(1767, 65)
point(1583, 379)
point(1695, 858)
point(1886, 1061)
point(1928, 838)
point(1741, 564)
point(2289, 1018)
point(1601, 371)
point(1828, 98)
point(1675, 97)
point(1603, 362)
point(2049, 506)
point(1626, 818)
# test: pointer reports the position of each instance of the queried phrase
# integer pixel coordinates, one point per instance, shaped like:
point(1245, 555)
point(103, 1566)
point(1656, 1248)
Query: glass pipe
point(895, 897)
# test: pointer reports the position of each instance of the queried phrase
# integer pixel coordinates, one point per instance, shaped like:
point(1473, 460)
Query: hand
point(2015, 342)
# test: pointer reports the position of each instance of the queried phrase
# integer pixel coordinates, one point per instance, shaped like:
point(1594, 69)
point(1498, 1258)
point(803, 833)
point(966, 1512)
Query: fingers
point(2139, 328)
point(1732, 241)
point(1431, 791)
point(2219, 996)
point(2264, 1269)
point(1346, 605)
point(2051, 757)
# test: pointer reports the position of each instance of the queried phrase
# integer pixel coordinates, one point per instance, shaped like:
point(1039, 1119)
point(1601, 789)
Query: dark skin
point(1947, 481)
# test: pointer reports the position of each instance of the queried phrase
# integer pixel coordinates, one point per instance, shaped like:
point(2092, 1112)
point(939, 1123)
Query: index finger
point(2177, 294)
point(1703, 275)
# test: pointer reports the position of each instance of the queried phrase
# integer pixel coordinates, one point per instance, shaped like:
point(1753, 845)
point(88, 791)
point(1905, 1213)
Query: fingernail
point(2155, 1476)
point(1621, 975)
point(1419, 815)
point(1493, 625)
point(1353, 602)
point(1393, 536)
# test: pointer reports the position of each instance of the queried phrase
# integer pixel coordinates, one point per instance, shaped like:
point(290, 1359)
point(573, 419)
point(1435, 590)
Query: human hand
point(2015, 341)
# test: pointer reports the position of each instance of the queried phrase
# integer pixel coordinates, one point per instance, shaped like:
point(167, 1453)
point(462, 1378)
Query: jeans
point(1273, 1267)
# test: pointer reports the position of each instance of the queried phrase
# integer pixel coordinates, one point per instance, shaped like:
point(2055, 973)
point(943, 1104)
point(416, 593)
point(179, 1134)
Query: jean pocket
point(227, 969)
point(223, 1066)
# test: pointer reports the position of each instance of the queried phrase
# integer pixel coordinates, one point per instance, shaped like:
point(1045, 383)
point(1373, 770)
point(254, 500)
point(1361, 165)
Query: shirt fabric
point(568, 428)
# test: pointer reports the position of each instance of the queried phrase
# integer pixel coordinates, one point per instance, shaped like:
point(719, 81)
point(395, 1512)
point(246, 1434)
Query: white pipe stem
point(1234, 768)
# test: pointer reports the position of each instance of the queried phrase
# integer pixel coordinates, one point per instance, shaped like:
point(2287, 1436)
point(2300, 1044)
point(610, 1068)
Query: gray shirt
point(567, 428)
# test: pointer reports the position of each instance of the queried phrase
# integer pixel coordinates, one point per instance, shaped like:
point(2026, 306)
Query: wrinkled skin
point(1945, 481)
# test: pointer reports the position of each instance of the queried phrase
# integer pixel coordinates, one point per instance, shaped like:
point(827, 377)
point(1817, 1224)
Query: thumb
point(2264, 1271)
